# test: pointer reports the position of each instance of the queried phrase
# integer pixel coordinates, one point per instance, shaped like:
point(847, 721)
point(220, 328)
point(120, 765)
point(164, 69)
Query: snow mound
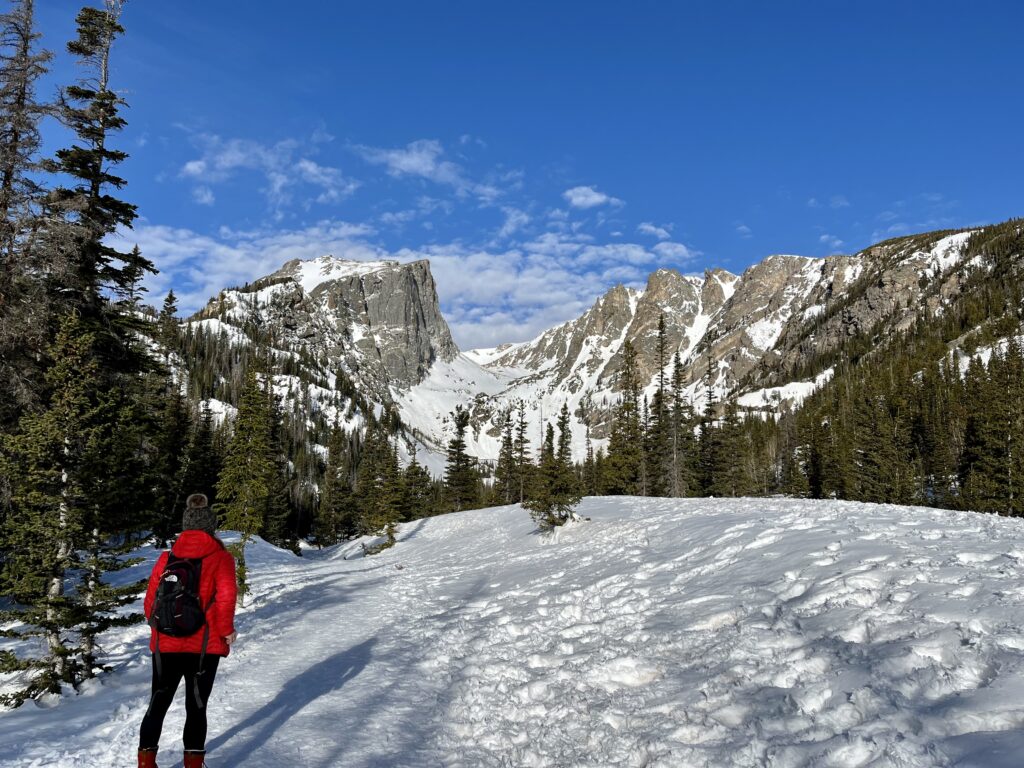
point(702, 632)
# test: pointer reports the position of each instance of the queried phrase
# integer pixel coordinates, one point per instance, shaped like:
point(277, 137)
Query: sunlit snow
point(703, 632)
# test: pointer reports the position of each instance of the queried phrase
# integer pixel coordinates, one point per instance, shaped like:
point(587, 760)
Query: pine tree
point(22, 333)
point(167, 324)
point(50, 458)
point(418, 495)
point(82, 217)
point(378, 488)
point(336, 518)
point(555, 491)
point(709, 443)
point(521, 449)
point(247, 479)
point(626, 445)
point(681, 448)
point(659, 444)
point(460, 475)
point(202, 464)
point(505, 486)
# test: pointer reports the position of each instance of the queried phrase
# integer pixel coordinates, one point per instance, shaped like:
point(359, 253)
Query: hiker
point(186, 645)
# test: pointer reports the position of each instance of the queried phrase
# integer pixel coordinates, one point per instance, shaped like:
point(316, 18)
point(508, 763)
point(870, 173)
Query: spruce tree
point(522, 465)
point(681, 449)
point(626, 445)
point(462, 485)
point(248, 477)
point(379, 488)
point(336, 519)
point(22, 332)
point(81, 217)
point(555, 491)
point(505, 486)
point(418, 496)
point(202, 464)
point(50, 458)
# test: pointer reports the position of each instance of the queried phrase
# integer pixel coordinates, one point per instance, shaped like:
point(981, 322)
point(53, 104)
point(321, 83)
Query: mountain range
point(767, 337)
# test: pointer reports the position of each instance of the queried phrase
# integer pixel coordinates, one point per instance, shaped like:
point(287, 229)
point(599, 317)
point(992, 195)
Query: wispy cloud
point(831, 242)
point(662, 232)
point(508, 291)
point(588, 197)
point(203, 195)
point(838, 201)
point(424, 159)
point(743, 230)
point(283, 166)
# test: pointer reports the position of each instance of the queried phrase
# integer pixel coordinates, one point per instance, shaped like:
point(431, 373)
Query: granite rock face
point(380, 320)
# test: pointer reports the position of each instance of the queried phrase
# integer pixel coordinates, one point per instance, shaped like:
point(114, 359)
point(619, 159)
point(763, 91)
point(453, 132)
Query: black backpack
point(178, 611)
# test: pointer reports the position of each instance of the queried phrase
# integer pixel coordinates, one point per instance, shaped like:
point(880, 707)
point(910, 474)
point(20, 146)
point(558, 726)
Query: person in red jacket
point(182, 657)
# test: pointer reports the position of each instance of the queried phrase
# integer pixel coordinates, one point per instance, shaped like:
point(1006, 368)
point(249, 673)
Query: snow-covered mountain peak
point(312, 273)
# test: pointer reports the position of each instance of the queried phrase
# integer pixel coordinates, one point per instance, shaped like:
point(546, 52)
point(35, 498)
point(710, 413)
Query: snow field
point(705, 632)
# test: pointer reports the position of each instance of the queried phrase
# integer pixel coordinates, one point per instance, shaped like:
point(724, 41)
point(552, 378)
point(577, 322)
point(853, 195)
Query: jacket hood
point(195, 543)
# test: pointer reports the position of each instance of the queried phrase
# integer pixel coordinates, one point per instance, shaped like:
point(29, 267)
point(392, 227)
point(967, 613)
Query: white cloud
point(676, 252)
point(588, 197)
point(423, 159)
point(203, 195)
point(515, 220)
point(831, 241)
point(839, 201)
point(662, 233)
point(744, 231)
point(283, 166)
point(813, 203)
point(489, 294)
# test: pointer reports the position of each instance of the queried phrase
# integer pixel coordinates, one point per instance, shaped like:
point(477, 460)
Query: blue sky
point(540, 152)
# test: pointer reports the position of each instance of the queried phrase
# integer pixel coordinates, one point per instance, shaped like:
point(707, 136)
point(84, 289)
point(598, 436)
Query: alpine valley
point(349, 336)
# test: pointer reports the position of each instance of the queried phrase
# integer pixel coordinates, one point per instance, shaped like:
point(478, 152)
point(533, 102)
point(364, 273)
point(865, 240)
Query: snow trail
point(704, 632)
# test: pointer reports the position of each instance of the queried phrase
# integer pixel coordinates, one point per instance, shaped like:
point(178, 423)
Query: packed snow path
point(662, 633)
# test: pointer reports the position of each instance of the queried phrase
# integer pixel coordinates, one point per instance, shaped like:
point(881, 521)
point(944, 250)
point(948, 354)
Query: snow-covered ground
point(688, 633)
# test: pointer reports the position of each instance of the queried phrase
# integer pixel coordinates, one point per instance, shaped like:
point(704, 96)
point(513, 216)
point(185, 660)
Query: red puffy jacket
point(216, 580)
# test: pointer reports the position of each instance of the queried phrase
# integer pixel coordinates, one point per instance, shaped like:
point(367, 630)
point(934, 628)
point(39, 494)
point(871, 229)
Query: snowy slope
point(663, 633)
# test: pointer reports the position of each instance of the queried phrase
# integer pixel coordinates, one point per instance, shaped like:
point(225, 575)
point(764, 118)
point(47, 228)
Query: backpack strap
point(202, 652)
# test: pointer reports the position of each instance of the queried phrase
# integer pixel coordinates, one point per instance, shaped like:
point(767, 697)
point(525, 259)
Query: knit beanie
point(198, 515)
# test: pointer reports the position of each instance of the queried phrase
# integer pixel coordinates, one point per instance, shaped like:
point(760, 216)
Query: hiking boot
point(194, 758)
point(147, 758)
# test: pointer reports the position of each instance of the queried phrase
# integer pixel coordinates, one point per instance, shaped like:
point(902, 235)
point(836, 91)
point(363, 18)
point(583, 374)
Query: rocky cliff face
point(380, 320)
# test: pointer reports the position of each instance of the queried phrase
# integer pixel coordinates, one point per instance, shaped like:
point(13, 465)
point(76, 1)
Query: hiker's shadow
point(319, 680)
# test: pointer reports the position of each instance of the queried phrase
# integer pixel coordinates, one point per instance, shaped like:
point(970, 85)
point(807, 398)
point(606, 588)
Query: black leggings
point(175, 666)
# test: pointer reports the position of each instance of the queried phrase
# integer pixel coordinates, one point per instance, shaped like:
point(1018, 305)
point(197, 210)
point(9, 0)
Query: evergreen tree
point(22, 333)
point(247, 479)
point(167, 324)
point(336, 519)
point(50, 458)
point(81, 217)
point(626, 446)
point(659, 444)
point(681, 447)
point(709, 444)
point(202, 464)
point(555, 492)
point(505, 485)
point(460, 476)
point(418, 495)
point(521, 466)
point(378, 487)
